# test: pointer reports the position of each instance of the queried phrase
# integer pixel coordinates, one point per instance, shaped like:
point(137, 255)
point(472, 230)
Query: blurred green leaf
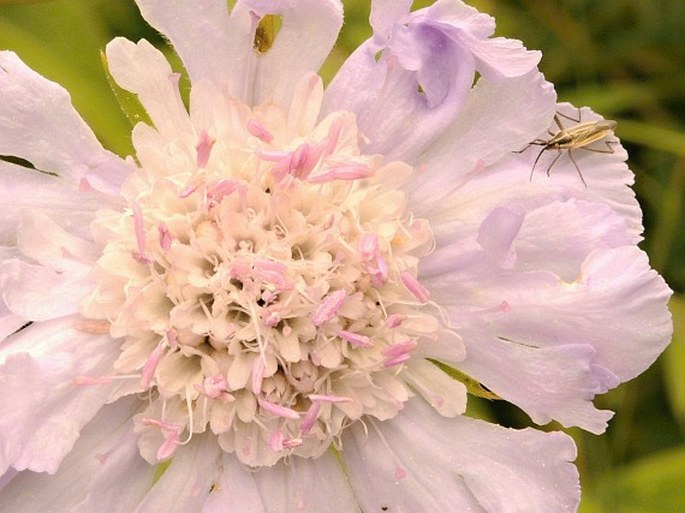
point(674, 362)
point(651, 485)
point(61, 40)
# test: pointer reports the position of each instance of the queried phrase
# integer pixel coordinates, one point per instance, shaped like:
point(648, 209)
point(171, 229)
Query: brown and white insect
point(577, 137)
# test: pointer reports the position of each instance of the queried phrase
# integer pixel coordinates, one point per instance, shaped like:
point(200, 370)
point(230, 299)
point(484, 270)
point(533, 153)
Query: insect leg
point(599, 150)
point(577, 168)
point(536, 162)
point(536, 142)
point(549, 168)
point(571, 118)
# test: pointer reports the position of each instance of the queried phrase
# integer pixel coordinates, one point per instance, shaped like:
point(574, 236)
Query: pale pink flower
point(245, 316)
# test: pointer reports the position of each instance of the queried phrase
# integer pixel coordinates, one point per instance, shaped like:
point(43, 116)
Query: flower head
point(278, 303)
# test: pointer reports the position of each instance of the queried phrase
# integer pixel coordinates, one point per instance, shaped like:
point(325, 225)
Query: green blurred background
point(623, 58)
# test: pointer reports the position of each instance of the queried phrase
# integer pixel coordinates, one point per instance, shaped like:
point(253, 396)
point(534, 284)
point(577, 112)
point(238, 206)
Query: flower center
point(266, 291)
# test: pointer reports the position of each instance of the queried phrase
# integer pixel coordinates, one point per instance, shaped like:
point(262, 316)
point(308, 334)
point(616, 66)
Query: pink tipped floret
point(204, 148)
point(413, 286)
point(259, 131)
point(329, 308)
point(258, 369)
point(151, 366)
point(164, 236)
point(278, 410)
point(310, 417)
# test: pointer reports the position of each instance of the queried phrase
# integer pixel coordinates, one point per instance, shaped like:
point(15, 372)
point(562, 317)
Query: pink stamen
point(394, 320)
point(204, 148)
point(219, 190)
point(272, 318)
point(396, 360)
point(400, 348)
point(141, 256)
point(291, 443)
point(310, 417)
point(413, 285)
point(171, 432)
point(187, 190)
point(333, 137)
point(151, 366)
point(278, 410)
point(329, 308)
point(258, 368)
point(164, 236)
point(355, 339)
point(379, 274)
point(92, 326)
point(341, 172)
point(272, 156)
point(258, 130)
point(334, 399)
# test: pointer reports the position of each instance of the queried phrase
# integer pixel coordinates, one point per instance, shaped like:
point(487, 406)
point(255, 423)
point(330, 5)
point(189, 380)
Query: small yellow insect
point(579, 136)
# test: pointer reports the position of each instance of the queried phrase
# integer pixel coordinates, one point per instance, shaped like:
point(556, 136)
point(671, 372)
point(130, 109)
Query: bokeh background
point(623, 58)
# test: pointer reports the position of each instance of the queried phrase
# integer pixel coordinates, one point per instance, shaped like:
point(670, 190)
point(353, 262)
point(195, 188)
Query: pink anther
point(171, 433)
point(413, 286)
point(310, 417)
point(333, 399)
point(151, 366)
point(258, 369)
point(329, 308)
point(394, 320)
point(355, 339)
point(341, 172)
point(259, 131)
point(278, 410)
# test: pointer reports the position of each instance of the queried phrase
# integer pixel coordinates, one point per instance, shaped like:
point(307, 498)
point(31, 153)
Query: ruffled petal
point(472, 466)
point(40, 125)
point(142, 69)
point(419, 68)
point(43, 410)
point(499, 117)
point(567, 340)
point(104, 471)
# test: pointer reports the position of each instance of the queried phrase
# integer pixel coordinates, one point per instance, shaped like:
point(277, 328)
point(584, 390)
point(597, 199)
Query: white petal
point(56, 197)
point(308, 32)
point(37, 293)
point(104, 471)
point(199, 33)
point(185, 485)
point(143, 70)
point(236, 490)
point(420, 461)
point(446, 395)
point(40, 125)
point(41, 239)
point(43, 410)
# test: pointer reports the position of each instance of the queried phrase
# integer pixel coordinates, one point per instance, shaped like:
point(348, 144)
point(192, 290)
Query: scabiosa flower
point(277, 303)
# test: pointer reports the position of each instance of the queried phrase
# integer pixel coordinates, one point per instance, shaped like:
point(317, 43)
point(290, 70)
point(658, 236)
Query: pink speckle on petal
point(400, 473)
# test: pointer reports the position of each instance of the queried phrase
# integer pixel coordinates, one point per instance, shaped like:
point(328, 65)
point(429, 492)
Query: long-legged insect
point(579, 136)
